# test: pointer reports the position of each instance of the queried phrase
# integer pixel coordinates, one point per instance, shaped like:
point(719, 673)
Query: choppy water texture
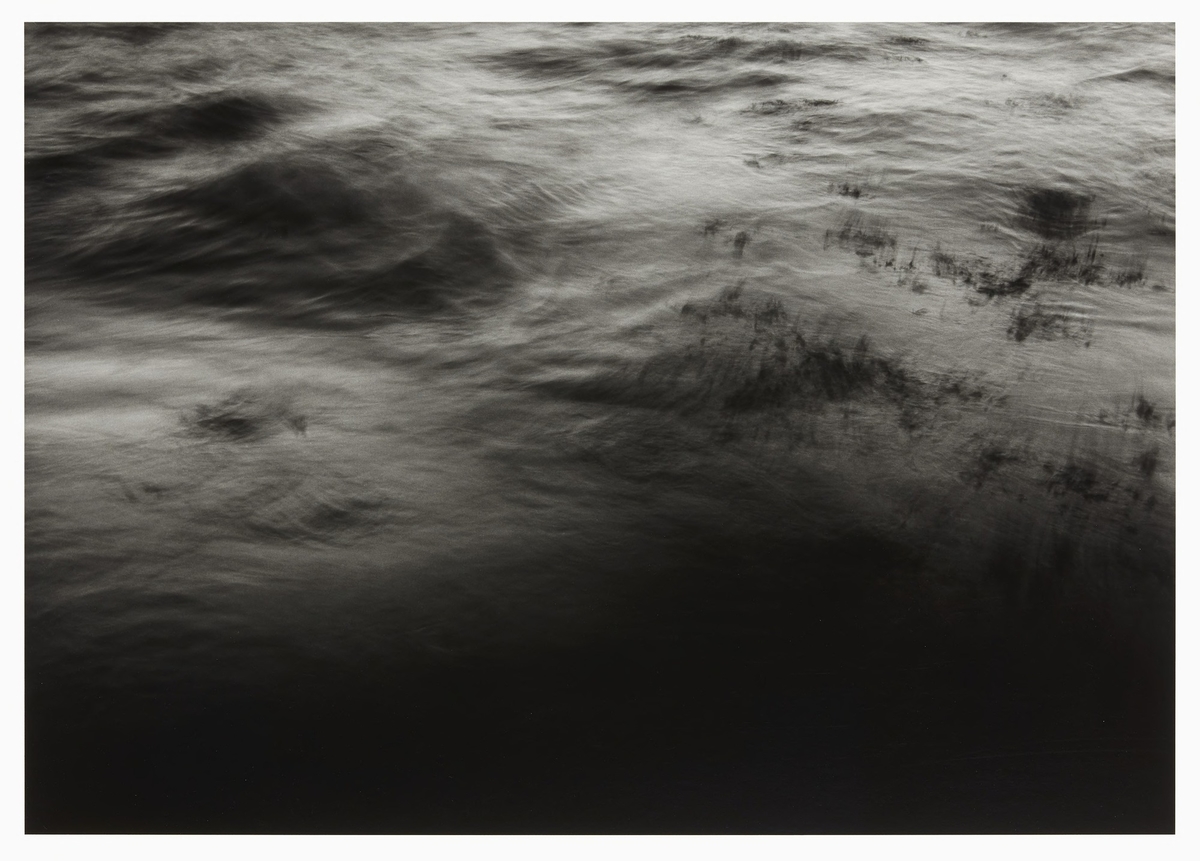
point(696, 428)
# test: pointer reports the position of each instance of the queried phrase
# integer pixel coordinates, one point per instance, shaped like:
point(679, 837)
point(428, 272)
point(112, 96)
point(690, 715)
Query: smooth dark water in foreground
point(600, 429)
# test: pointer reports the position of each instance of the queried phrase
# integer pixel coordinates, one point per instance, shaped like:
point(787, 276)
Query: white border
point(597, 10)
point(563, 848)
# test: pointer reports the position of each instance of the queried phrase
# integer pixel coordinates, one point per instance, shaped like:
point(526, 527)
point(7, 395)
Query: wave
point(1142, 75)
point(601, 57)
point(133, 34)
point(223, 116)
point(636, 65)
point(699, 85)
point(100, 137)
point(316, 229)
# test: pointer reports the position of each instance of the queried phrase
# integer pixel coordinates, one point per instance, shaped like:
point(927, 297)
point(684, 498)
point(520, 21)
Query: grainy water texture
point(615, 428)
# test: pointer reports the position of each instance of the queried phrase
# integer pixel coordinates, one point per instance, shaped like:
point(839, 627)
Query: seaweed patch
point(752, 357)
point(1046, 261)
point(867, 237)
point(1081, 479)
point(1044, 104)
point(987, 462)
point(244, 416)
point(772, 107)
point(1047, 322)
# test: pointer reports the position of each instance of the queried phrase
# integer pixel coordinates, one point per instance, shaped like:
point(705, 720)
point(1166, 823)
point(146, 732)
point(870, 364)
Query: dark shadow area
point(778, 687)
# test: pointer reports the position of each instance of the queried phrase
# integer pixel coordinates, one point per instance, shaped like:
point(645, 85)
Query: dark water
point(683, 428)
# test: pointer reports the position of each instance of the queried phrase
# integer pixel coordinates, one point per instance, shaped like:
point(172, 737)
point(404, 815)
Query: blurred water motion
point(611, 428)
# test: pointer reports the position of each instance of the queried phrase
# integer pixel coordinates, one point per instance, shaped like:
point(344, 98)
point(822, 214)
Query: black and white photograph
point(619, 428)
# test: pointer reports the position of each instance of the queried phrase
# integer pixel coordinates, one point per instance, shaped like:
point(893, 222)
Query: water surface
point(613, 428)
